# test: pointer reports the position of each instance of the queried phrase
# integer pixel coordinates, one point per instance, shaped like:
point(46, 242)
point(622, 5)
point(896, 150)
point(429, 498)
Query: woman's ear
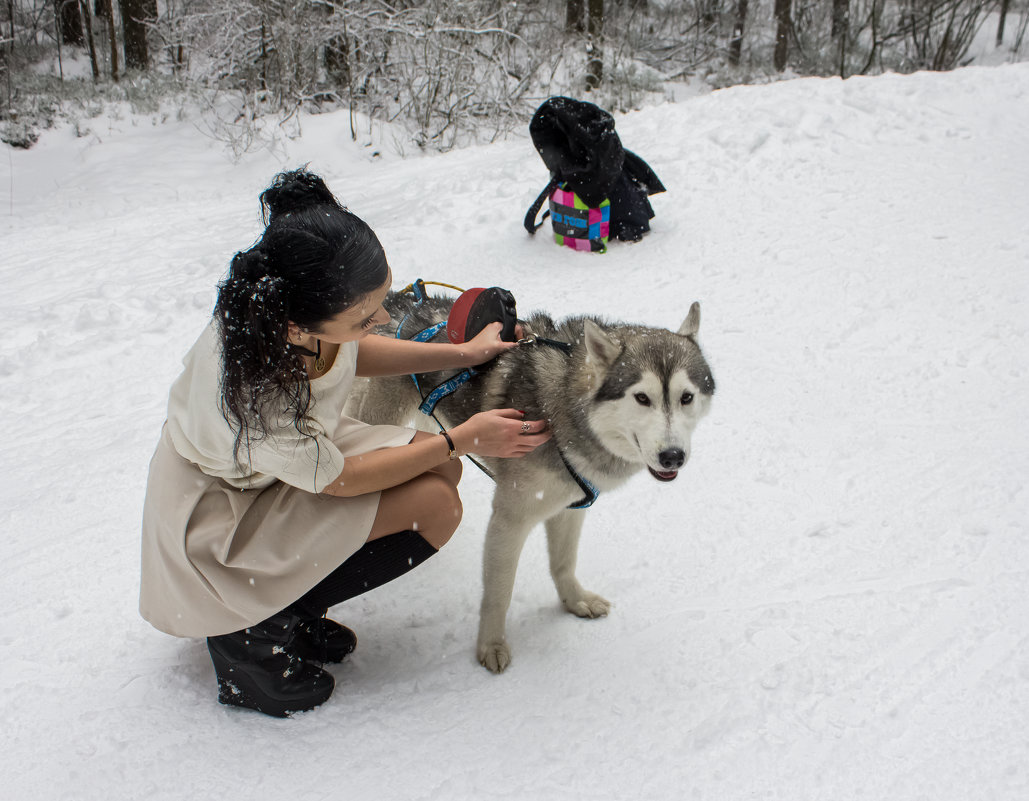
point(293, 333)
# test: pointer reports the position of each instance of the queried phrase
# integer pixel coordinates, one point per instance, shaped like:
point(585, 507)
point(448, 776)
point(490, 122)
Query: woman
point(265, 505)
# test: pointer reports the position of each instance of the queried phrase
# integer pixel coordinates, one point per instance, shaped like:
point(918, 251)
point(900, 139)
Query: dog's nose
point(672, 459)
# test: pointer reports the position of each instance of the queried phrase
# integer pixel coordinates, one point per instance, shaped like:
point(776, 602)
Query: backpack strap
point(530, 216)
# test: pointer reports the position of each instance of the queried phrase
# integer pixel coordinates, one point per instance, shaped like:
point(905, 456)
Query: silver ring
point(525, 426)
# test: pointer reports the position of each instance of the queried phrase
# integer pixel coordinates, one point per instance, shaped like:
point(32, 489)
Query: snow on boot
point(260, 668)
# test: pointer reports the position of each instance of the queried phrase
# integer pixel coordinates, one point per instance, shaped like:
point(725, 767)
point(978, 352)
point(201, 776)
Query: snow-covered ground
point(829, 603)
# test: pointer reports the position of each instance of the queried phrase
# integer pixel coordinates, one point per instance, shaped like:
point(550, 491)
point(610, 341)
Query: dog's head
point(652, 388)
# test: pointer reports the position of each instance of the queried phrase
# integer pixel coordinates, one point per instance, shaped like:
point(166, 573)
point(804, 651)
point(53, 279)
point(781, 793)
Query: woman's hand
point(382, 355)
point(487, 344)
point(500, 432)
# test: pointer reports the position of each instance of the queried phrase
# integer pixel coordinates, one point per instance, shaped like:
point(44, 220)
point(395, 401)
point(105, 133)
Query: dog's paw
point(588, 604)
point(495, 656)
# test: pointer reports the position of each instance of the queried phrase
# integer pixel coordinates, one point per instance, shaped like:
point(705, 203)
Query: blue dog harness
point(448, 387)
point(590, 492)
point(451, 385)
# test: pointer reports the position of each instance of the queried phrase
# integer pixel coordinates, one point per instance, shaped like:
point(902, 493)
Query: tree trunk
point(136, 17)
point(87, 23)
point(8, 60)
point(264, 57)
point(109, 11)
point(594, 50)
point(70, 22)
point(738, 26)
point(782, 33)
point(59, 38)
point(574, 15)
point(337, 60)
point(708, 12)
point(840, 17)
point(1004, 5)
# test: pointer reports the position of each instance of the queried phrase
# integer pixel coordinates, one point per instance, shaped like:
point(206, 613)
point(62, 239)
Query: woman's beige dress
point(224, 549)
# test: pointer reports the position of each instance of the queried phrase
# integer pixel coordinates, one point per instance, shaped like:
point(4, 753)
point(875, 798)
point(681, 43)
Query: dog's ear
point(600, 347)
point(691, 324)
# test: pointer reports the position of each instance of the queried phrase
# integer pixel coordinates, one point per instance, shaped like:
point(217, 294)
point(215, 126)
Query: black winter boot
point(324, 640)
point(260, 668)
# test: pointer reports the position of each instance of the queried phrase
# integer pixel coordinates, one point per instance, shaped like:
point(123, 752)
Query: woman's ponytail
point(259, 315)
point(258, 364)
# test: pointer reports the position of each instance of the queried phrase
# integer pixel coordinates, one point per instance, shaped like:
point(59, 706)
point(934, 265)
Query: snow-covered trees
point(443, 67)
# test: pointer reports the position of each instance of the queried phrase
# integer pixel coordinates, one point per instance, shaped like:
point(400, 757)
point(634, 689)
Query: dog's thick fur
point(626, 398)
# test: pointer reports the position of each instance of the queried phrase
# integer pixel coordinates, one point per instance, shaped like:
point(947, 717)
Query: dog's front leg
point(563, 530)
point(505, 537)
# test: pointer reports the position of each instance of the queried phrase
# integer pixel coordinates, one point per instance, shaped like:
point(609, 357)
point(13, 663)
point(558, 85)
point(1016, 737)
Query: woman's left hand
point(487, 344)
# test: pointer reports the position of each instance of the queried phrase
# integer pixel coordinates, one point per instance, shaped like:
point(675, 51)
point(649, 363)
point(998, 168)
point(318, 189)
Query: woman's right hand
point(499, 432)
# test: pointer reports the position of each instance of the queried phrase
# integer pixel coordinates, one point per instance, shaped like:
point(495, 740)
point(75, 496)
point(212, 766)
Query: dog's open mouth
point(663, 475)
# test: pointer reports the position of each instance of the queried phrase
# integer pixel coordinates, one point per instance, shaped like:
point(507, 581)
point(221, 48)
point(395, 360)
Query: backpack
point(597, 188)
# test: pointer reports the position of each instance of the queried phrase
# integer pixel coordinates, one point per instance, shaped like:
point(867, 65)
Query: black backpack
point(578, 143)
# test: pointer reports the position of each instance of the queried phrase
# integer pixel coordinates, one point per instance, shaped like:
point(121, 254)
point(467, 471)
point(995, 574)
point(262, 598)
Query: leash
point(418, 288)
point(451, 385)
point(535, 339)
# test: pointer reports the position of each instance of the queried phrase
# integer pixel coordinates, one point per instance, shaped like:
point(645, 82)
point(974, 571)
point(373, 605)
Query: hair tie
point(252, 266)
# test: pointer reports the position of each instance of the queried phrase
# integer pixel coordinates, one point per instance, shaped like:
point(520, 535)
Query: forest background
point(450, 72)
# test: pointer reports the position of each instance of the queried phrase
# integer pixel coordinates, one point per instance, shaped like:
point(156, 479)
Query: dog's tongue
point(661, 475)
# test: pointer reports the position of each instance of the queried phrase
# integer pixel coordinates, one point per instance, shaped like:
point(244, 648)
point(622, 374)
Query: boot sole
point(236, 688)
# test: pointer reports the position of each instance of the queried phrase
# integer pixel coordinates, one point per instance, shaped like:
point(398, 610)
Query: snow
point(829, 603)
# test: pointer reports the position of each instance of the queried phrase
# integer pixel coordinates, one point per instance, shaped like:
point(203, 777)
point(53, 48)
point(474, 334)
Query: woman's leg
point(414, 520)
point(428, 504)
point(263, 667)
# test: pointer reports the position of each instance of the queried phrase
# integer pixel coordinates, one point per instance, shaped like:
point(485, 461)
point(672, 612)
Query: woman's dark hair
point(314, 260)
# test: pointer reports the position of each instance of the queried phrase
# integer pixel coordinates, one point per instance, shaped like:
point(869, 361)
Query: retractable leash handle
point(479, 307)
point(473, 310)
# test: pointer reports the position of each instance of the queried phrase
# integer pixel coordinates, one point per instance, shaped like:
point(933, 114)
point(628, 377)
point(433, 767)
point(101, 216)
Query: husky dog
point(618, 398)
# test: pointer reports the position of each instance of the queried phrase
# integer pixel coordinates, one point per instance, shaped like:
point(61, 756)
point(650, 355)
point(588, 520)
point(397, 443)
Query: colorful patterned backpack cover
point(575, 224)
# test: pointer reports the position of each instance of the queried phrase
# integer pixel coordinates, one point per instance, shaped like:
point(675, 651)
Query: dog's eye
point(687, 398)
point(642, 399)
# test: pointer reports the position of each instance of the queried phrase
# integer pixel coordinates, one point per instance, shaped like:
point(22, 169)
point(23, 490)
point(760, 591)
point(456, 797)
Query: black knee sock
point(376, 563)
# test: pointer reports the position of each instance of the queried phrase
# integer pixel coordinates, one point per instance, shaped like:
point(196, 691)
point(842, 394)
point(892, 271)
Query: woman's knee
point(451, 471)
point(440, 510)
point(428, 504)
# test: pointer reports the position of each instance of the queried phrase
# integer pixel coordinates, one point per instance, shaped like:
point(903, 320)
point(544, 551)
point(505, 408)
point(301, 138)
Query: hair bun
point(293, 191)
